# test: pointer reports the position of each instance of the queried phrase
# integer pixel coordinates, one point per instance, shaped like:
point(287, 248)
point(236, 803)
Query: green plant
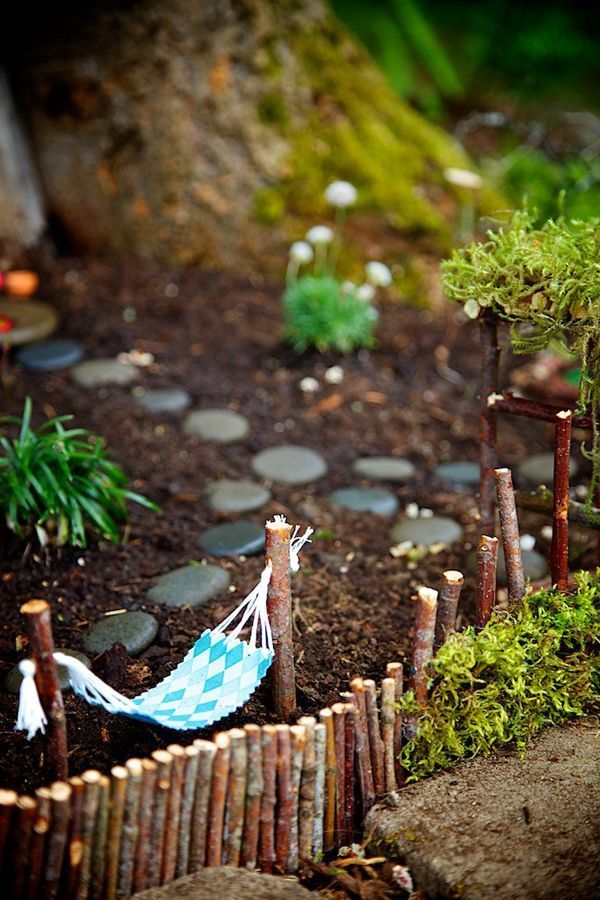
point(60, 483)
point(526, 669)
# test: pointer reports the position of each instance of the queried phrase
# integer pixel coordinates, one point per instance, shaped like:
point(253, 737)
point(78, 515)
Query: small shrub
point(58, 482)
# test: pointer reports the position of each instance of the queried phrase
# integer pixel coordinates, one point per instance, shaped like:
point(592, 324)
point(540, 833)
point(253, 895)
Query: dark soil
point(414, 396)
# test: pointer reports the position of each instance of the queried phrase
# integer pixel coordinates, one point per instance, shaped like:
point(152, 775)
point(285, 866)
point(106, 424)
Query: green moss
point(319, 314)
point(272, 110)
point(523, 671)
point(268, 206)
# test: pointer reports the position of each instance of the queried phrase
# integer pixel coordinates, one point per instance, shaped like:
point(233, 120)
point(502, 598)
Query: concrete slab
point(225, 881)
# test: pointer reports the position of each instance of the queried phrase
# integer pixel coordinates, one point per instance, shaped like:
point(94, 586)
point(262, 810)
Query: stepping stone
point(31, 320)
point(462, 473)
point(434, 530)
point(13, 680)
point(164, 400)
point(135, 630)
point(220, 425)
point(374, 500)
point(384, 468)
point(228, 496)
point(539, 469)
point(189, 586)
point(289, 464)
point(94, 372)
point(535, 565)
point(241, 538)
point(48, 356)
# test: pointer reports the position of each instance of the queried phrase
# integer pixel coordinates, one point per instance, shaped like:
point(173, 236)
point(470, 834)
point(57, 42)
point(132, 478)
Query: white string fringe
point(31, 717)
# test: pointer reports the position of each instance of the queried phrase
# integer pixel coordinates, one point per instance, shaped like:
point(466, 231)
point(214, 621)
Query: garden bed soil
point(413, 396)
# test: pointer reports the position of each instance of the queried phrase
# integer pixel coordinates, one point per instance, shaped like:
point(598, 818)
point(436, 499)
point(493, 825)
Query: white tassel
point(296, 544)
point(93, 689)
point(31, 717)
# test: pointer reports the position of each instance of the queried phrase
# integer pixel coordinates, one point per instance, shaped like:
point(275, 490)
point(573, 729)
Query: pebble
point(12, 682)
point(374, 500)
point(94, 372)
point(135, 630)
point(426, 531)
point(189, 586)
point(229, 496)
point(461, 473)
point(289, 464)
point(384, 468)
point(535, 565)
point(234, 539)
point(48, 356)
point(539, 469)
point(164, 400)
point(220, 425)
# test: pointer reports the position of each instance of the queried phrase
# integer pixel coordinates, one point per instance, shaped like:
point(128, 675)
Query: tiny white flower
point(366, 292)
point(309, 385)
point(463, 178)
point(412, 511)
point(527, 542)
point(403, 878)
point(341, 194)
point(319, 234)
point(472, 308)
point(426, 513)
point(357, 850)
point(546, 532)
point(378, 274)
point(348, 287)
point(301, 252)
point(334, 375)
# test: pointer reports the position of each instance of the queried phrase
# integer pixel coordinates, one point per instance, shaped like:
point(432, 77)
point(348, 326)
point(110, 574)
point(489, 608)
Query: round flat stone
point(135, 630)
point(165, 400)
point(32, 321)
point(289, 464)
point(463, 473)
point(13, 680)
point(234, 539)
point(48, 356)
point(373, 500)
point(94, 372)
point(535, 566)
point(539, 469)
point(384, 468)
point(434, 530)
point(219, 425)
point(229, 496)
point(189, 586)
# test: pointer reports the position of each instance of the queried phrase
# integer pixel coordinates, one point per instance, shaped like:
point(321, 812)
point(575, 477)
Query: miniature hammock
point(216, 676)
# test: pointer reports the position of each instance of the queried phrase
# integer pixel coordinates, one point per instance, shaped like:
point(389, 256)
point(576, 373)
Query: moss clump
point(524, 670)
point(318, 313)
point(268, 206)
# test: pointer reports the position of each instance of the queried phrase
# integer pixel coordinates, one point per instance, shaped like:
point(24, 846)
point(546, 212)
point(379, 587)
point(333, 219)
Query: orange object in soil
point(21, 283)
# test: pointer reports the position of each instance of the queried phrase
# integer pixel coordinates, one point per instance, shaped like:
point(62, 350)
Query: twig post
point(198, 839)
point(339, 714)
point(254, 789)
point(326, 719)
point(422, 651)
point(25, 809)
point(41, 642)
point(449, 595)
point(395, 670)
point(319, 815)
point(140, 871)
point(559, 553)
point(388, 721)
point(236, 793)
point(349, 749)
point(375, 742)
point(60, 807)
point(298, 742)
point(279, 605)
point(363, 750)
point(269, 798)
point(285, 795)
point(218, 800)
point(511, 541)
point(7, 805)
point(488, 331)
point(306, 803)
point(487, 557)
point(37, 847)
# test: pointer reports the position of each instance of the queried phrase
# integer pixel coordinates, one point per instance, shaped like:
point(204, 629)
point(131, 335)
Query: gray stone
point(31, 321)
point(12, 682)
point(384, 468)
point(226, 881)
point(374, 500)
point(535, 565)
point(135, 630)
point(237, 496)
point(434, 530)
point(94, 372)
point(462, 473)
point(539, 469)
point(189, 586)
point(49, 356)
point(219, 425)
point(505, 827)
point(164, 400)
point(234, 539)
point(289, 464)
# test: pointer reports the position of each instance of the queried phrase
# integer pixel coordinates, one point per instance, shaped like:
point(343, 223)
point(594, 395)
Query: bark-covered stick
point(388, 722)
point(37, 844)
point(307, 789)
point(75, 845)
point(511, 539)
point(326, 718)
point(532, 409)
point(488, 331)
point(449, 595)
point(191, 759)
point(298, 741)
point(339, 734)
point(279, 605)
point(60, 809)
point(236, 801)
point(349, 764)
point(170, 846)
point(559, 554)
point(269, 798)
point(7, 806)
point(363, 750)
point(487, 558)
point(254, 789)
point(319, 813)
point(422, 651)
point(129, 836)
point(89, 809)
point(198, 840)
point(162, 784)
point(218, 800)
point(41, 645)
point(285, 796)
point(118, 793)
point(375, 742)
point(98, 867)
point(25, 811)
point(395, 670)
point(140, 869)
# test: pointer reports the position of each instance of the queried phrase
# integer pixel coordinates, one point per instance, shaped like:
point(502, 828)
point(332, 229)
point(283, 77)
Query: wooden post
point(559, 553)
point(395, 670)
point(118, 792)
point(298, 739)
point(279, 605)
point(188, 793)
point(37, 847)
point(422, 651)
point(326, 718)
point(162, 784)
point(307, 789)
point(269, 799)
point(129, 835)
point(349, 759)
point(319, 815)
point(75, 845)
point(91, 793)
point(60, 808)
point(511, 540)
point(236, 800)
point(169, 861)
point(140, 870)
point(488, 331)
point(285, 797)
point(98, 867)
point(363, 751)
point(339, 714)
point(218, 800)
point(448, 598)
point(198, 839)
point(7, 805)
point(254, 789)
point(487, 556)
point(41, 643)
point(25, 809)
point(388, 718)
point(375, 742)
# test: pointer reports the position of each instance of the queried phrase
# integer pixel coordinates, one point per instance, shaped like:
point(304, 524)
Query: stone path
point(539, 469)
point(189, 586)
point(163, 400)
point(465, 474)
point(13, 679)
point(219, 425)
point(384, 468)
point(241, 538)
point(49, 356)
point(135, 630)
point(426, 531)
point(535, 565)
point(229, 496)
point(374, 500)
point(96, 372)
point(289, 464)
